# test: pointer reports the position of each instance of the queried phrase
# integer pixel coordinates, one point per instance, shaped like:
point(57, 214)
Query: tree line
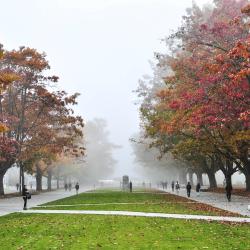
point(38, 127)
point(196, 105)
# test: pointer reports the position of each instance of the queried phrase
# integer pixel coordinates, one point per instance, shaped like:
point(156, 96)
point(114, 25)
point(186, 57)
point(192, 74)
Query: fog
point(100, 49)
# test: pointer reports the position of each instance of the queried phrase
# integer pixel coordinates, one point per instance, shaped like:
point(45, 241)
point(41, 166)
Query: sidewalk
point(238, 204)
point(15, 204)
point(142, 214)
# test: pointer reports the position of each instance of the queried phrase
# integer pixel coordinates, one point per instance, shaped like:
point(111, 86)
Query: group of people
point(176, 186)
point(189, 187)
point(228, 189)
point(69, 187)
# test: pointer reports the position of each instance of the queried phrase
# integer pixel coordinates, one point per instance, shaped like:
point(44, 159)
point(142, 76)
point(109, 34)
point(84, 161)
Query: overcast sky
point(99, 48)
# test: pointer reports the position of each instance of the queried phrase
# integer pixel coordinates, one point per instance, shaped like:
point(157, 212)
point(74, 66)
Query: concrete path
point(142, 214)
point(15, 204)
point(238, 204)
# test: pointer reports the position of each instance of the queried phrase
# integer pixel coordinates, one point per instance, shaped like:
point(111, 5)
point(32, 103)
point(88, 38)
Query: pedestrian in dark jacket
point(25, 194)
point(229, 189)
point(77, 187)
point(130, 186)
point(172, 185)
point(198, 188)
point(188, 187)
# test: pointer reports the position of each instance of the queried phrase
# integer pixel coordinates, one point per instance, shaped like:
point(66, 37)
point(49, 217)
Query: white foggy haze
point(99, 48)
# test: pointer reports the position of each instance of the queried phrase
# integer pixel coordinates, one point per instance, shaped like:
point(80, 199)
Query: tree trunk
point(3, 170)
point(49, 179)
point(2, 173)
point(199, 178)
point(22, 178)
point(247, 182)
point(246, 172)
point(212, 179)
point(38, 178)
point(247, 178)
point(228, 179)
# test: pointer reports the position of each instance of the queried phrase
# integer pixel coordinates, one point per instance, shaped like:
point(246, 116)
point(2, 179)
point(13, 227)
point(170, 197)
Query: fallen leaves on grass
point(204, 207)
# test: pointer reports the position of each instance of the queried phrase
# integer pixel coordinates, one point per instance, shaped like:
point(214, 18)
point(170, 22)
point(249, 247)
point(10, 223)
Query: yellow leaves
point(3, 128)
point(6, 79)
point(1, 54)
point(241, 136)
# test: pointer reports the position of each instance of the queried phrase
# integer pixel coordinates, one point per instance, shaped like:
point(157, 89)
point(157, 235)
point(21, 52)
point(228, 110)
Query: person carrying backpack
point(26, 195)
point(188, 187)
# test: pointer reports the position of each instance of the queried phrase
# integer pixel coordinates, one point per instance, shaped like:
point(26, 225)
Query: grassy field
point(77, 232)
point(139, 202)
point(33, 231)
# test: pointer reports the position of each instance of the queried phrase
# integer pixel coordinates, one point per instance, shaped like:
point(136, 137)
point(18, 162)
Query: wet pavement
point(238, 204)
point(15, 204)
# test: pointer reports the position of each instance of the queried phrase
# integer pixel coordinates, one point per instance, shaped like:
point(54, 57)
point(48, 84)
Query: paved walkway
point(238, 204)
point(142, 214)
point(15, 204)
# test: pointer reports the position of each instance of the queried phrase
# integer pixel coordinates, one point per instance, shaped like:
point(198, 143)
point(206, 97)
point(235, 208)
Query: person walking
point(172, 185)
point(70, 186)
point(229, 189)
point(198, 188)
point(188, 187)
point(17, 186)
point(26, 196)
point(77, 187)
point(130, 186)
point(66, 186)
point(177, 187)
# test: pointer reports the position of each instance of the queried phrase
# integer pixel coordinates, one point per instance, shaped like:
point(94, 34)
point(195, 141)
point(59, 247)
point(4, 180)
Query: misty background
point(99, 49)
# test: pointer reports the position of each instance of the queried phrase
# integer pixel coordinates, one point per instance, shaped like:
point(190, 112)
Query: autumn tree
point(206, 97)
point(45, 121)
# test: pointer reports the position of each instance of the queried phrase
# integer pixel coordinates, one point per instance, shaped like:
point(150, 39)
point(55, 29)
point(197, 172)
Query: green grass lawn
point(151, 202)
point(42, 231)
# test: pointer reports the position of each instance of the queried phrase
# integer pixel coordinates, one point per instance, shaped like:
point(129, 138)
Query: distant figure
point(26, 195)
point(163, 185)
point(17, 186)
point(224, 183)
point(70, 186)
point(77, 187)
point(177, 187)
point(198, 188)
point(130, 186)
point(66, 186)
point(188, 187)
point(229, 189)
point(172, 185)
